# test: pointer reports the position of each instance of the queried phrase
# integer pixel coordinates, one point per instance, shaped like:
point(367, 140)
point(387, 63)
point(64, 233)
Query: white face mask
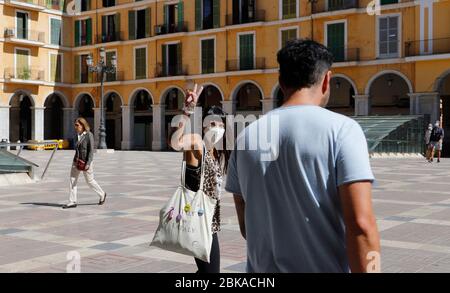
point(437, 124)
point(215, 134)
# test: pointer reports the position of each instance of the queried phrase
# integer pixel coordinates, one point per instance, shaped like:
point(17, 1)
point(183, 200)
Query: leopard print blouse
point(212, 186)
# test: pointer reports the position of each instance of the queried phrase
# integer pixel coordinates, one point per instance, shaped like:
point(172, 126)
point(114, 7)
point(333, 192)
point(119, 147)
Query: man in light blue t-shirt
point(304, 198)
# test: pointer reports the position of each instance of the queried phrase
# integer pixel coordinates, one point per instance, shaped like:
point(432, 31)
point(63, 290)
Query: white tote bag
point(185, 222)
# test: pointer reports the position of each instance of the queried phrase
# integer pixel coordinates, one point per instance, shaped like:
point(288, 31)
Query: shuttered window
point(288, 35)
point(246, 52)
point(336, 40)
point(140, 63)
point(208, 56)
point(55, 67)
point(289, 9)
point(55, 32)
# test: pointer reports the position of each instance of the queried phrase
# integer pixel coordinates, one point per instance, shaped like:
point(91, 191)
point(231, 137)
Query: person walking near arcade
point(83, 163)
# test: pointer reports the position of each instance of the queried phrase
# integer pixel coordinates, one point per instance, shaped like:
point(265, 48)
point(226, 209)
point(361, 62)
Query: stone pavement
point(411, 200)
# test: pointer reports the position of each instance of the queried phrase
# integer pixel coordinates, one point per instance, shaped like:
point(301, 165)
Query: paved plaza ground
point(411, 200)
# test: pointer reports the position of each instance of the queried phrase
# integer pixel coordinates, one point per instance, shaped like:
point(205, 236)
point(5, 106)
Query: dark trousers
point(213, 267)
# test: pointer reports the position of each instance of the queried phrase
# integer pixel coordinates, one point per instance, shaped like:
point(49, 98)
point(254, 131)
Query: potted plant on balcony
point(25, 74)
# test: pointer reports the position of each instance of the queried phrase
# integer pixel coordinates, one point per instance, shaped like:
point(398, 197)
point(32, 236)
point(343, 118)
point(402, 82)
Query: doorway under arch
point(113, 121)
point(20, 117)
point(54, 117)
point(142, 120)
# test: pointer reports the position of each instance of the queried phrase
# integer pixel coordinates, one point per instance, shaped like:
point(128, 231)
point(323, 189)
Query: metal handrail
point(21, 145)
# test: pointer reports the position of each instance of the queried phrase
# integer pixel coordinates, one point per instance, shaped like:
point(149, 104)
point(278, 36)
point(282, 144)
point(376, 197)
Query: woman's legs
point(213, 267)
point(74, 173)
point(89, 176)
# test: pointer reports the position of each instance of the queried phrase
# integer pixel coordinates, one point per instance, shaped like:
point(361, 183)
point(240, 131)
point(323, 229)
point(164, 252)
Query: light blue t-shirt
point(293, 216)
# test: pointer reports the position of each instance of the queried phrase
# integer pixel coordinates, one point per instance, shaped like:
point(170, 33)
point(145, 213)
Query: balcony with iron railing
point(334, 5)
point(427, 47)
point(24, 36)
point(117, 76)
point(343, 54)
point(29, 4)
point(110, 37)
point(171, 28)
point(253, 16)
point(246, 64)
point(172, 70)
point(21, 74)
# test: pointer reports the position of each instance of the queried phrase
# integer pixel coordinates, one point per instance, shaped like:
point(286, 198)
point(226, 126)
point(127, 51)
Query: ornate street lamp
point(102, 69)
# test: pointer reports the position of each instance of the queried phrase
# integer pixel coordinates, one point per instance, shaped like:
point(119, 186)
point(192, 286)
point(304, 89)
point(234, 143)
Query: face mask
point(430, 128)
point(215, 134)
point(437, 124)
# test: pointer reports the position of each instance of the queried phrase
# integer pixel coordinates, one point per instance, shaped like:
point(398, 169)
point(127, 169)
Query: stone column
point(97, 115)
point(229, 107)
point(127, 127)
point(362, 105)
point(268, 105)
point(428, 104)
point(37, 122)
point(69, 118)
point(4, 122)
point(159, 127)
point(413, 103)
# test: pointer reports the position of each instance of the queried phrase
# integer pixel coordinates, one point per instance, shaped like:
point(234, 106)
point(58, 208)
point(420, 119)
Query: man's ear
point(326, 82)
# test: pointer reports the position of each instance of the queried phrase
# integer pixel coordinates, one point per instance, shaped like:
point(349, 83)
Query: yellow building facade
point(391, 57)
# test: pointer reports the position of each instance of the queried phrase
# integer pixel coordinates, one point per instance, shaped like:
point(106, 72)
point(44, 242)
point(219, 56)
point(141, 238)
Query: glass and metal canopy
point(393, 134)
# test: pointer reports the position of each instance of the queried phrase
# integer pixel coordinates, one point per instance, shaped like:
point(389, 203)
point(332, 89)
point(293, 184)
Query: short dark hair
point(303, 63)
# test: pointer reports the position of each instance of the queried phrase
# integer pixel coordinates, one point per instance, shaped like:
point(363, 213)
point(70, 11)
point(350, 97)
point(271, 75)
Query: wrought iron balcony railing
point(24, 34)
point(24, 73)
point(171, 28)
point(110, 37)
point(342, 54)
point(334, 5)
point(253, 16)
point(427, 47)
point(175, 70)
point(246, 64)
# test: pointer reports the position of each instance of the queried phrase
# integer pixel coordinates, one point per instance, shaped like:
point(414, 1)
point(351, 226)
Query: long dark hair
point(224, 153)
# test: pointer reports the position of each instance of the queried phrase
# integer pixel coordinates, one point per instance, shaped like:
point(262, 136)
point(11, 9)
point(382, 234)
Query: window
point(388, 37)
point(84, 71)
point(110, 28)
point(85, 5)
point(55, 31)
point(55, 67)
point(171, 59)
point(246, 52)
point(109, 3)
point(244, 11)
point(288, 35)
point(22, 64)
point(336, 40)
point(289, 8)
point(139, 24)
point(174, 17)
point(208, 56)
point(109, 57)
point(207, 14)
point(83, 32)
point(140, 64)
point(22, 25)
point(385, 2)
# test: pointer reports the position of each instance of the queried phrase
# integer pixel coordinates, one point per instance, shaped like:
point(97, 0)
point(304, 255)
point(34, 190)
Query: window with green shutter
point(336, 40)
point(55, 31)
point(22, 64)
point(180, 11)
point(385, 2)
point(55, 67)
point(289, 9)
point(132, 24)
point(208, 56)
point(246, 52)
point(148, 22)
point(77, 33)
point(288, 35)
point(109, 57)
point(22, 25)
point(140, 63)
